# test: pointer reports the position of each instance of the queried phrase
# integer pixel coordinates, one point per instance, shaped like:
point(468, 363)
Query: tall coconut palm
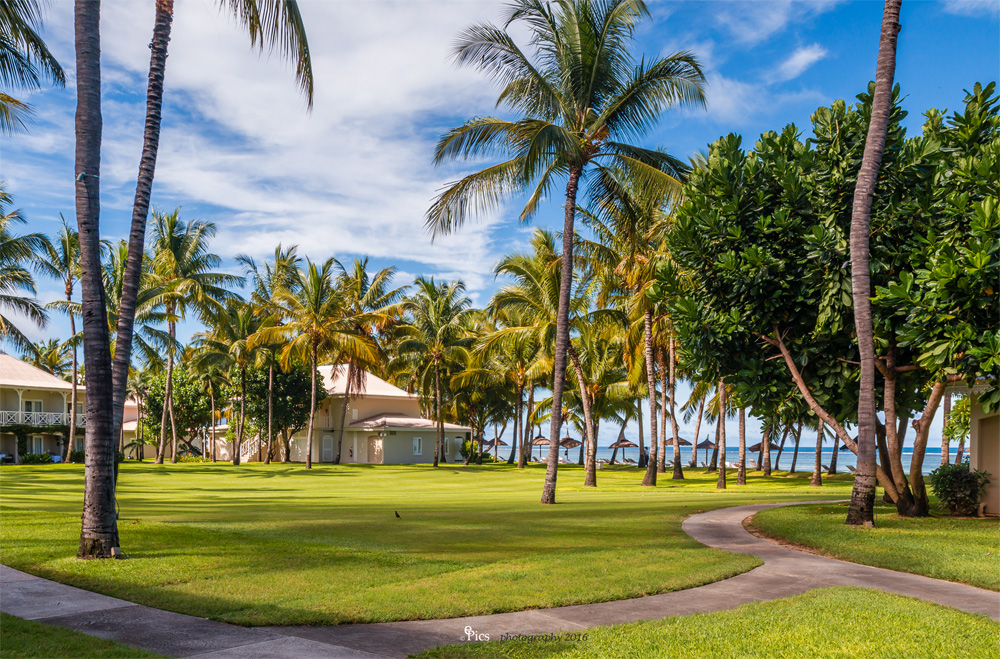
point(266, 282)
point(862, 506)
point(273, 25)
point(99, 526)
point(229, 345)
point(580, 94)
point(185, 280)
point(314, 327)
point(433, 339)
point(16, 281)
point(25, 60)
point(52, 356)
point(62, 261)
point(371, 305)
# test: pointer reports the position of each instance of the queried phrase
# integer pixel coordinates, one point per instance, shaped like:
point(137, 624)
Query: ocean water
point(932, 458)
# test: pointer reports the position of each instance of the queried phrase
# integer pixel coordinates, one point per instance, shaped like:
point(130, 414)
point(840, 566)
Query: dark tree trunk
point(71, 435)
point(170, 400)
point(921, 505)
point(590, 433)
point(721, 484)
point(312, 408)
point(713, 464)
point(518, 424)
point(215, 439)
point(832, 471)
point(795, 453)
point(241, 424)
point(562, 336)
point(522, 457)
point(741, 472)
point(697, 429)
point(642, 445)
point(438, 430)
point(960, 451)
point(162, 447)
point(781, 447)
point(649, 480)
point(343, 411)
point(817, 475)
point(766, 449)
point(661, 458)
point(140, 206)
point(678, 470)
point(99, 527)
point(270, 410)
point(861, 510)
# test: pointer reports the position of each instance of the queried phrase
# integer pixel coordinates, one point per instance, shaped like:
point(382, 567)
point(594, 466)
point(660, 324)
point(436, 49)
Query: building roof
point(403, 422)
point(335, 381)
point(22, 375)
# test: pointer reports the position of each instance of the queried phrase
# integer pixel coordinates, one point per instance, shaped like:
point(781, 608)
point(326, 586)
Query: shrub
point(36, 459)
point(192, 458)
point(77, 456)
point(958, 488)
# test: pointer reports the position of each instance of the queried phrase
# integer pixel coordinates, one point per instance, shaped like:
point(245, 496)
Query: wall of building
point(52, 401)
point(984, 453)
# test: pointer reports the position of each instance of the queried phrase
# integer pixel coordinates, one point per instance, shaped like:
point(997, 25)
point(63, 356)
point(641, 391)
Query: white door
point(37, 445)
point(327, 448)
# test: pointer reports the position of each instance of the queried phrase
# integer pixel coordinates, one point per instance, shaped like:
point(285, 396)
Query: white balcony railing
point(14, 417)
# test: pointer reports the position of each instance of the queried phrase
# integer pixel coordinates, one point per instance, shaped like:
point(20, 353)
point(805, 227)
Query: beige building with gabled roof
point(31, 398)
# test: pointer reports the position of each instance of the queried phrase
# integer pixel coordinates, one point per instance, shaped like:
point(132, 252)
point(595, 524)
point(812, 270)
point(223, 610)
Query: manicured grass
point(279, 544)
point(831, 623)
point(24, 639)
point(965, 550)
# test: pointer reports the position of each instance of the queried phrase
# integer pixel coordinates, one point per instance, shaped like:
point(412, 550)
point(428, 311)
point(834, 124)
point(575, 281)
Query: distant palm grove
point(731, 271)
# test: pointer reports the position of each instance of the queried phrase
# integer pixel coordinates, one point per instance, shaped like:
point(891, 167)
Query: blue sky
point(354, 176)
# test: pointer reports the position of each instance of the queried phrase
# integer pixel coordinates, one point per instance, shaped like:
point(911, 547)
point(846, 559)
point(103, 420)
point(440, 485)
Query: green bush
point(958, 488)
point(77, 456)
point(193, 458)
point(36, 459)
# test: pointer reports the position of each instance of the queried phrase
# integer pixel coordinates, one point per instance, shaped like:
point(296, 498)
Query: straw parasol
point(623, 444)
point(706, 445)
point(541, 440)
point(681, 441)
point(492, 443)
point(569, 442)
point(756, 447)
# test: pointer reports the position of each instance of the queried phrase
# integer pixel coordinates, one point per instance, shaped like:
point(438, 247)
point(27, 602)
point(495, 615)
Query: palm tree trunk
point(661, 459)
point(817, 476)
point(312, 408)
point(562, 335)
point(678, 470)
point(211, 396)
point(168, 396)
point(741, 472)
point(795, 453)
point(241, 424)
point(518, 424)
point(162, 447)
point(590, 469)
point(766, 448)
point(343, 411)
point(479, 454)
point(99, 527)
point(960, 451)
point(861, 510)
point(832, 471)
point(140, 207)
point(642, 445)
point(173, 427)
point(72, 393)
point(945, 439)
point(781, 447)
point(649, 480)
point(270, 409)
point(439, 430)
point(522, 458)
point(697, 429)
point(721, 484)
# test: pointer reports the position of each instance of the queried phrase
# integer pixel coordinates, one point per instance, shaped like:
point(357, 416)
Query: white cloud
point(972, 7)
point(753, 21)
point(798, 62)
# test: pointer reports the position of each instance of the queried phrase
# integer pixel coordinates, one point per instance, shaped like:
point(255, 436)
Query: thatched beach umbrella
point(680, 440)
point(540, 440)
point(494, 444)
point(756, 447)
point(706, 445)
point(569, 442)
point(623, 444)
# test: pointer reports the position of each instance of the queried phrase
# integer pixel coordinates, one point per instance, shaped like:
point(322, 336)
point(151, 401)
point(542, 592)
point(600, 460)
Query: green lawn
point(965, 550)
point(23, 639)
point(279, 544)
point(832, 623)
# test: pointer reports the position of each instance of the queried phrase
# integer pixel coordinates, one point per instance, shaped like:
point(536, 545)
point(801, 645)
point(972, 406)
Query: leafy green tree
point(581, 98)
point(290, 390)
point(193, 409)
point(52, 356)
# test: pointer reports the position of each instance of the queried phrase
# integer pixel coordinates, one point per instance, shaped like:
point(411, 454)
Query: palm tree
point(861, 510)
point(266, 282)
point(433, 339)
point(228, 345)
point(16, 281)
point(99, 526)
point(62, 261)
point(315, 325)
point(184, 277)
point(579, 96)
point(25, 60)
point(272, 25)
point(371, 306)
point(52, 356)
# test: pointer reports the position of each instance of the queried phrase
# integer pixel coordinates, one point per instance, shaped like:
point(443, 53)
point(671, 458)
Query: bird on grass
point(397, 516)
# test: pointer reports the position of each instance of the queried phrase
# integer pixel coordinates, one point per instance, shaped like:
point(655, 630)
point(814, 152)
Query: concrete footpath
point(785, 572)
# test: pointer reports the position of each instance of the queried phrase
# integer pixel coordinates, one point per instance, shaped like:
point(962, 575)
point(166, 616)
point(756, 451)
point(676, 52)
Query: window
point(354, 414)
point(32, 406)
point(418, 446)
point(37, 445)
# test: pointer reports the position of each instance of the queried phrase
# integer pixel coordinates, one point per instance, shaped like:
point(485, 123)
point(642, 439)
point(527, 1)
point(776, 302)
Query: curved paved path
point(785, 572)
